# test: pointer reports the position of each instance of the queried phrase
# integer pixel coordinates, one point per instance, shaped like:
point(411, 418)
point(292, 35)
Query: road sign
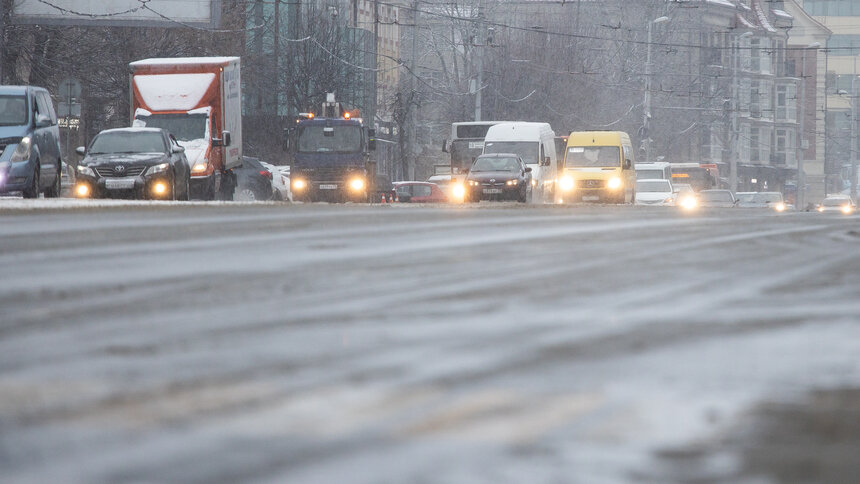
point(69, 90)
point(65, 109)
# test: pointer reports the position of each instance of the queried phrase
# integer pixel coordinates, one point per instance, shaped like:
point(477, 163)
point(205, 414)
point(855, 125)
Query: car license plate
point(490, 191)
point(119, 183)
point(328, 187)
point(590, 198)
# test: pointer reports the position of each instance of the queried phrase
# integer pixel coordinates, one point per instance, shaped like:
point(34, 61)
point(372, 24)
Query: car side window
point(421, 191)
point(38, 104)
point(404, 190)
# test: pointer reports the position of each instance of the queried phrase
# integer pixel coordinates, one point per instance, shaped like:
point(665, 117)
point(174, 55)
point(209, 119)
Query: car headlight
point(86, 171)
point(299, 184)
point(534, 182)
point(847, 209)
point(614, 183)
point(668, 200)
point(688, 203)
point(356, 184)
point(200, 167)
point(159, 168)
point(22, 151)
point(459, 190)
point(3, 166)
point(511, 183)
point(820, 209)
point(473, 183)
point(779, 207)
point(566, 183)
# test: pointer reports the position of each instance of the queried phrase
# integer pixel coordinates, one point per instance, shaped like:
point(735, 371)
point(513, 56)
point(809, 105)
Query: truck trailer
point(199, 101)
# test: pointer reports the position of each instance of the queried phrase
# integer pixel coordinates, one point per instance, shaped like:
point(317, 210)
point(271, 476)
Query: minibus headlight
point(614, 183)
point(357, 184)
point(299, 184)
point(566, 183)
point(459, 190)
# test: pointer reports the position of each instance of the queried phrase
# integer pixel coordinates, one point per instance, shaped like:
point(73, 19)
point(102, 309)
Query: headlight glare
point(847, 208)
point(357, 184)
point(200, 167)
point(779, 207)
point(459, 190)
point(22, 151)
point(614, 183)
point(566, 183)
point(299, 184)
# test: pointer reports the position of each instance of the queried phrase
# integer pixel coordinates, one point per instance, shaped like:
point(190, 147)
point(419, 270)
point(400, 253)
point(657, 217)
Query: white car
point(656, 192)
point(837, 204)
point(280, 181)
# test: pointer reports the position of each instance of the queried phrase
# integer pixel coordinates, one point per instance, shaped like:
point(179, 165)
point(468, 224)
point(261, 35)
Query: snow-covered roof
point(723, 3)
point(133, 130)
point(761, 16)
point(781, 13)
point(184, 60)
point(173, 92)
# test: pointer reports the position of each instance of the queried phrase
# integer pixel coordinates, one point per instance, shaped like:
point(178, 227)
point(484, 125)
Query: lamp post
point(736, 105)
point(801, 176)
point(646, 105)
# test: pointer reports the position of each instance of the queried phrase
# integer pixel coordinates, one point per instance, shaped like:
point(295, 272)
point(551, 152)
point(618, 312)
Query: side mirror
point(628, 164)
point(444, 146)
point(179, 149)
point(546, 161)
point(81, 150)
point(43, 121)
point(528, 169)
point(226, 138)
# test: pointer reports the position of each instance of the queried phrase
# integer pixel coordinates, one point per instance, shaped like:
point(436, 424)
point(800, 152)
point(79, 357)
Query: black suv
point(30, 160)
point(133, 163)
point(499, 176)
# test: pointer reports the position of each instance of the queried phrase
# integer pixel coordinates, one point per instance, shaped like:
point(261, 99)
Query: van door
point(45, 138)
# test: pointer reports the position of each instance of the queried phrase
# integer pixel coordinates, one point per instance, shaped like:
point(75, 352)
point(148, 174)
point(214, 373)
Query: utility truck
point(199, 101)
point(331, 155)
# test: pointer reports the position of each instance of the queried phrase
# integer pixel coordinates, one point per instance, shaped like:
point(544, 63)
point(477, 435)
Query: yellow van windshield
point(593, 156)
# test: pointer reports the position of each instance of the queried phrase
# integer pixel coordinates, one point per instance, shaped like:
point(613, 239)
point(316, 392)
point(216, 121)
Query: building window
point(786, 103)
point(755, 55)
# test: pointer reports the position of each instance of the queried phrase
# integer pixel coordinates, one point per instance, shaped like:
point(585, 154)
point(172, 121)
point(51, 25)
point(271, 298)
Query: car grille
point(496, 184)
point(323, 173)
point(590, 183)
point(109, 171)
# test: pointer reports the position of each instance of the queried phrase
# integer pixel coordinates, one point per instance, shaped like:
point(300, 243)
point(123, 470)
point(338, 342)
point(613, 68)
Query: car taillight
point(266, 174)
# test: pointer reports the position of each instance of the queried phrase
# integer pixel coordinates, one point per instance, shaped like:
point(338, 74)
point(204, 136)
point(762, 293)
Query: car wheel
point(524, 196)
point(54, 190)
point(246, 195)
point(33, 191)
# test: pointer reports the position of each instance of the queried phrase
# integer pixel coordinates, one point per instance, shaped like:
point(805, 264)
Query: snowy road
point(401, 344)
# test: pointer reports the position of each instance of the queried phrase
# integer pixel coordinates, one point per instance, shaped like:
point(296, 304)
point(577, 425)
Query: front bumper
point(496, 192)
point(142, 186)
point(16, 177)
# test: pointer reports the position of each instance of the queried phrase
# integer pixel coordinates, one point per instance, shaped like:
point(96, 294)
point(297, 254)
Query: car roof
point(19, 89)
point(499, 155)
point(133, 130)
point(412, 183)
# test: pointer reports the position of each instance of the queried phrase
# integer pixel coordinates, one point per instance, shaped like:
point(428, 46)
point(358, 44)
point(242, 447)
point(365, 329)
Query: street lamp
point(801, 176)
point(646, 107)
point(733, 162)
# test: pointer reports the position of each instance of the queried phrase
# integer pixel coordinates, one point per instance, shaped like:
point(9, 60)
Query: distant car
point(30, 160)
point(419, 192)
point(837, 204)
point(685, 197)
point(133, 163)
point(253, 181)
point(654, 192)
point(280, 181)
point(770, 200)
point(716, 198)
point(498, 176)
point(445, 183)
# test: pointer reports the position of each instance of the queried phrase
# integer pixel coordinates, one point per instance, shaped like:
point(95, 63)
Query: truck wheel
point(33, 191)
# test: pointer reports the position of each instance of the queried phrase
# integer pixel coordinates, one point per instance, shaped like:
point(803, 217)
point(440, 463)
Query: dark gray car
point(133, 163)
point(30, 157)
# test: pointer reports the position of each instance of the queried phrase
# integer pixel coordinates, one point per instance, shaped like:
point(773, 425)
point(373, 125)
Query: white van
point(654, 171)
point(535, 144)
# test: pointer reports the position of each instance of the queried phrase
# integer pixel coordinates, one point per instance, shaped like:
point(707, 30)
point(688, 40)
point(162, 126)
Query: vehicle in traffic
point(280, 181)
point(331, 156)
point(254, 181)
point(652, 171)
point(716, 198)
point(499, 176)
point(700, 176)
point(199, 101)
point(419, 192)
point(598, 166)
point(534, 144)
point(655, 192)
point(840, 204)
point(30, 159)
point(466, 144)
point(140, 163)
point(769, 200)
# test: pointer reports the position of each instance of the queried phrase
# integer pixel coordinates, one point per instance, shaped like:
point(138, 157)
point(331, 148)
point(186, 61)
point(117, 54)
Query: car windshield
point(337, 139)
point(593, 156)
point(496, 164)
point(527, 150)
point(746, 197)
point(768, 197)
point(835, 202)
point(716, 196)
point(13, 110)
point(128, 142)
point(184, 127)
point(653, 186)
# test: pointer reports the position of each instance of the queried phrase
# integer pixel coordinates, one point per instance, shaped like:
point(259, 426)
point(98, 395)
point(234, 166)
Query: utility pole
point(276, 51)
point(413, 133)
point(479, 53)
point(801, 175)
point(854, 127)
point(646, 105)
point(2, 37)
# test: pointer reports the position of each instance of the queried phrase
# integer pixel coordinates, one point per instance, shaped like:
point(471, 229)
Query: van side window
point(41, 106)
point(50, 104)
point(542, 153)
